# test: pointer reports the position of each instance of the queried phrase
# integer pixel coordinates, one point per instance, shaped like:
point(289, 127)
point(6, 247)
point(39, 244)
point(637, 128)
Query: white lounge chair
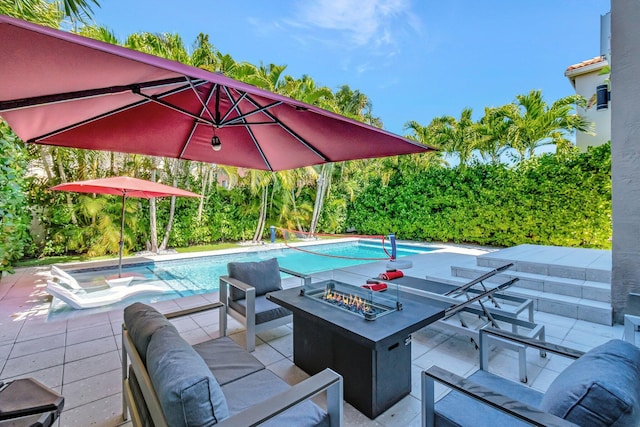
point(100, 298)
point(69, 282)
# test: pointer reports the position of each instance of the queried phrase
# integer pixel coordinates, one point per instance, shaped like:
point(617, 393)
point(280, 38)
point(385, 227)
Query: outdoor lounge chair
point(68, 281)
point(476, 308)
point(600, 388)
point(244, 291)
point(100, 298)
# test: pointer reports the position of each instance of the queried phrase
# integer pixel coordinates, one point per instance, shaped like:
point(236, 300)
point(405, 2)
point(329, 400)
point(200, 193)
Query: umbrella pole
point(121, 243)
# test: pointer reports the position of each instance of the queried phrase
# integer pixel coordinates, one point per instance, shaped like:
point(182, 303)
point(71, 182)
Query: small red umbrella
point(126, 187)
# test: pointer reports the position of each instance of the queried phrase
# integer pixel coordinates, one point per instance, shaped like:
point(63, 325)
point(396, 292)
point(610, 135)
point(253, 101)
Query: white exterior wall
point(586, 85)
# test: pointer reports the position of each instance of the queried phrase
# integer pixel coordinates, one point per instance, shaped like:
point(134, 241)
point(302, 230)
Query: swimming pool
point(200, 274)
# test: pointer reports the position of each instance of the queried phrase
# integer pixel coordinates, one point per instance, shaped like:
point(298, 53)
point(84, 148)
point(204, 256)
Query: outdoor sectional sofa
point(168, 382)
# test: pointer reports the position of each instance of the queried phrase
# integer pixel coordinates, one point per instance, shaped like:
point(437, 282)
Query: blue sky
point(415, 59)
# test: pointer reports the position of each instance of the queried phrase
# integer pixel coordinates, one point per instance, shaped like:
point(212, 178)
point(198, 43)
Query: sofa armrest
point(152, 402)
point(485, 395)
point(326, 380)
point(305, 277)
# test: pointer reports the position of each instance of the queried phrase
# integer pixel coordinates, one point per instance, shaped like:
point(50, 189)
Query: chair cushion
point(260, 386)
point(188, 392)
point(448, 411)
point(142, 321)
point(265, 309)
point(601, 388)
point(262, 275)
point(227, 360)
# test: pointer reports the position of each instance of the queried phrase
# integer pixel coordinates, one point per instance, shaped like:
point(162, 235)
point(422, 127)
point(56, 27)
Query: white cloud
point(358, 22)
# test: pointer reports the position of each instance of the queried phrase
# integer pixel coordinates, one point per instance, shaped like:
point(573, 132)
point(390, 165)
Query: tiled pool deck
point(80, 356)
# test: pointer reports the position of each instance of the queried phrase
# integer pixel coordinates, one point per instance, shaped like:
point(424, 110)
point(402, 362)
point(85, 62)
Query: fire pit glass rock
point(354, 299)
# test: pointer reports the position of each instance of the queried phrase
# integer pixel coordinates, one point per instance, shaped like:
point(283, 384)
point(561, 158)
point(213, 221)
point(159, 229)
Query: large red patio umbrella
point(62, 89)
point(126, 187)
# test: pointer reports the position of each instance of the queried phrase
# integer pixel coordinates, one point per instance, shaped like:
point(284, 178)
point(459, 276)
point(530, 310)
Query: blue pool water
point(196, 275)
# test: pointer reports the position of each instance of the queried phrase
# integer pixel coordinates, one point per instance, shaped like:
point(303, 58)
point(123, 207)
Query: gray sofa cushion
point(601, 388)
point(262, 275)
point(227, 360)
point(448, 411)
point(142, 321)
point(260, 386)
point(265, 309)
point(188, 392)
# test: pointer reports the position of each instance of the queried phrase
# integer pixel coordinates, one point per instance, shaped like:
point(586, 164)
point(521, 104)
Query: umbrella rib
point(257, 110)
point(110, 113)
point(233, 107)
point(290, 131)
point(35, 101)
point(84, 122)
point(197, 95)
point(173, 107)
point(250, 132)
point(195, 122)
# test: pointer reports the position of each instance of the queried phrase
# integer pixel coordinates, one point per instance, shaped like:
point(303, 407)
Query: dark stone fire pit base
point(373, 357)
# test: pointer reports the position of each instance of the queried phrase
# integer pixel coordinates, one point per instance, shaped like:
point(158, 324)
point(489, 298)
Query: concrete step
point(585, 289)
point(563, 305)
point(571, 263)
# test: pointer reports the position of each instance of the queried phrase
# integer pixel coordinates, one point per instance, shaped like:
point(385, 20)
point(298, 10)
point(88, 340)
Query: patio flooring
point(80, 356)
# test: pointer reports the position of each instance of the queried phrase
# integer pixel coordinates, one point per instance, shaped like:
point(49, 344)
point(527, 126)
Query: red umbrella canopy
point(62, 89)
point(124, 186)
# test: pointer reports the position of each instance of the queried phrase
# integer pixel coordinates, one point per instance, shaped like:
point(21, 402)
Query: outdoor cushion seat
point(227, 360)
point(600, 388)
point(266, 310)
point(251, 390)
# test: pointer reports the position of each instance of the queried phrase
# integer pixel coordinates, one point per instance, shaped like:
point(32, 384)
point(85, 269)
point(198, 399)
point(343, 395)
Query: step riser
point(546, 302)
point(598, 315)
point(590, 274)
point(602, 294)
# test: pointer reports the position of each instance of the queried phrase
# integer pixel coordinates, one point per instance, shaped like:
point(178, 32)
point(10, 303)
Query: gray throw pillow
point(601, 388)
point(142, 321)
point(188, 392)
point(262, 275)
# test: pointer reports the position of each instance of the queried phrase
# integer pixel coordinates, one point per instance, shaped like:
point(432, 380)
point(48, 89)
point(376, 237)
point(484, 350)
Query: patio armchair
point(599, 388)
point(244, 292)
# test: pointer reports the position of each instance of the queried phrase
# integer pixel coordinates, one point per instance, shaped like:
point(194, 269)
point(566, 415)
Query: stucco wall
point(625, 151)
point(586, 85)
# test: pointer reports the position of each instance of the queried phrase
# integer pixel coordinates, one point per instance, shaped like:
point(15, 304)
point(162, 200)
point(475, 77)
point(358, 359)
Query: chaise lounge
point(84, 300)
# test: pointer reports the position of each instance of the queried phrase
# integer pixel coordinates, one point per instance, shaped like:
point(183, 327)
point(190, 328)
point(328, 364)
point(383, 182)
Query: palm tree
point(493, 129)
point(41, 11)
point(453, 136)
point(532, 123)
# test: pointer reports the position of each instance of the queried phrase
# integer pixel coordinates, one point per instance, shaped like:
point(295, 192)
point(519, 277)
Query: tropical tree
point(532, 123)
point(456, 136)
point(492, 130)
point(41, 11)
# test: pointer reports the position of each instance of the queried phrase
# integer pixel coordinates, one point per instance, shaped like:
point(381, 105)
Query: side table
point(28, 402)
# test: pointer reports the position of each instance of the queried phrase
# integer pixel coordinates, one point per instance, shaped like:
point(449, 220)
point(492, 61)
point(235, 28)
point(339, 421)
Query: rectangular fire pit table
point(373, 356)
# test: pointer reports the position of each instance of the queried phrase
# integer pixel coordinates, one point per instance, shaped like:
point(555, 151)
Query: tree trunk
point(263, 215)
point(324, 180)
point(153, 227)
point(63, 178)
point(45, 162)
point(172, 209)
point(205, 176)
